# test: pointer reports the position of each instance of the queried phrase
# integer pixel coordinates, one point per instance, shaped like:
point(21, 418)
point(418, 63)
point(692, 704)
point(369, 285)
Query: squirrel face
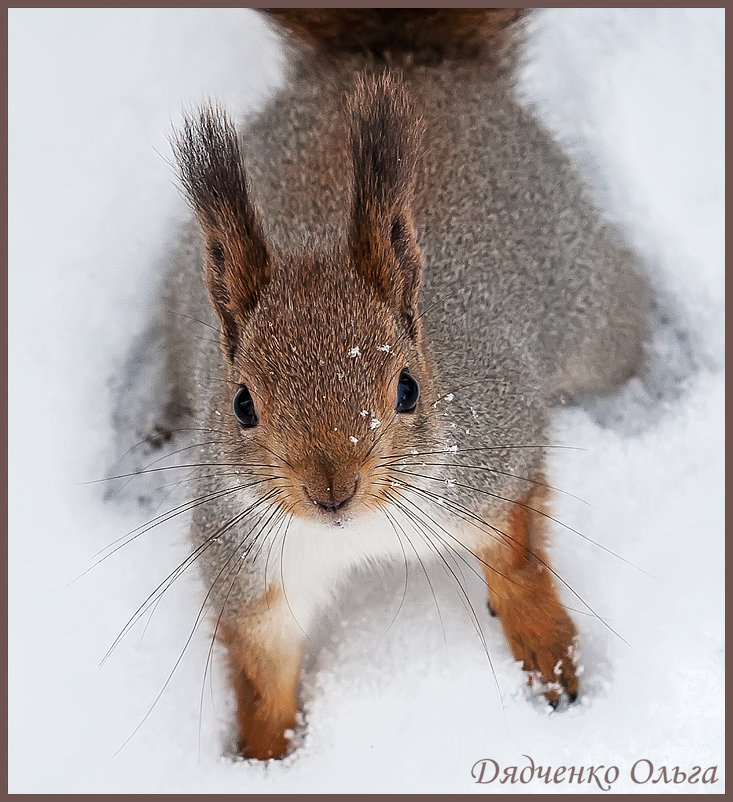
point(335, 382)
point(324, 350)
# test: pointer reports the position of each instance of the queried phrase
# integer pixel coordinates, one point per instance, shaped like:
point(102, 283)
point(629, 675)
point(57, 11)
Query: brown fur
point(336, 268)
point(428, 35)
point(374, 271)
point(522, 594)
point(385, 137)
point(264, 674)
point(237, 265)
point(319, 461)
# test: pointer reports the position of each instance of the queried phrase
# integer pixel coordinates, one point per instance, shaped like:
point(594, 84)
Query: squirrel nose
point(334, 497)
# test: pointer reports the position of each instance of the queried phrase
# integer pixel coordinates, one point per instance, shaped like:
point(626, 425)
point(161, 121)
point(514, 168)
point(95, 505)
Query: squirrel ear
point(385, 141)
point(237, 266)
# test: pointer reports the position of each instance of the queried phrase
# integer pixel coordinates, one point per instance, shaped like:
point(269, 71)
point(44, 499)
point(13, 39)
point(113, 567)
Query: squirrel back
point(509, 236)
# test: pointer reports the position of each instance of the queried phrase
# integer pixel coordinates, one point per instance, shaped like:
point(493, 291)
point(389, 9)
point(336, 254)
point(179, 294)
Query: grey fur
point(499, 211)
point(528, 297)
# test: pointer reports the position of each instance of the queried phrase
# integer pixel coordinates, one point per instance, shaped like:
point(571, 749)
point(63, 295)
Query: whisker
point(496, 471)
point(379, 508)
point(423, 513)
point(473, 554)
point(199, 477)
point(282, 580)
point(202, 338)
point(172, 454)
point(193, 319)
point(433, 497)
point(259, 549)
point(463, 594)
point(241, 465)
point(526, 507)
point(429, 529)
point(146, 440)
point(465, 514)
point(178, 661)
point(277, 456)
point(210, 653)
point(179, 570)
point(164, 518)
point(455, 450)
point(395, 523)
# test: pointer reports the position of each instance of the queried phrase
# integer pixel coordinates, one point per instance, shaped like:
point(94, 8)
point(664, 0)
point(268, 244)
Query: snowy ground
point(637, 96)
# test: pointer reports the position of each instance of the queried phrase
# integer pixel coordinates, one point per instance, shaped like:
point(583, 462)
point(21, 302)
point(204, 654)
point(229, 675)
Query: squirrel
point(405, 274)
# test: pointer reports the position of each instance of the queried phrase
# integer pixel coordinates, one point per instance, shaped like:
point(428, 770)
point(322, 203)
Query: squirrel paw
point(550, 663)
point(265, 744)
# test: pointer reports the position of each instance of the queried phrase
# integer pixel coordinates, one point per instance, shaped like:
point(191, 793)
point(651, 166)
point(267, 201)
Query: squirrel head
point(323, 348)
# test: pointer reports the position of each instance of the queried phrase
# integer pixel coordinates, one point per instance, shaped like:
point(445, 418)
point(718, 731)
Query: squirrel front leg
point(265, 648)
point(522, 594)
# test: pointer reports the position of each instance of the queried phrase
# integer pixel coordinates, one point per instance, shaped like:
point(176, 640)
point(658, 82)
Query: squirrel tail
point(425, 34)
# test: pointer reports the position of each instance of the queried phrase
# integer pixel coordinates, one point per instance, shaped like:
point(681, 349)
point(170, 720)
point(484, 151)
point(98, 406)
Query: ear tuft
point(385, 146)
point(385, 139)
point(212, 173)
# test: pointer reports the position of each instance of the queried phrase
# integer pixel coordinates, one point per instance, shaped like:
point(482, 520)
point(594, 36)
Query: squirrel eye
point(408, 392)
point(244, 408)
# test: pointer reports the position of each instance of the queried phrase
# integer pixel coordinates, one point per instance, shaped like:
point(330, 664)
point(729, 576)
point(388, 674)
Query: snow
point(637, 98)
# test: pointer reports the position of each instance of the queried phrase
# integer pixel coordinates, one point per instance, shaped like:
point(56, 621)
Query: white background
point(637, 97)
